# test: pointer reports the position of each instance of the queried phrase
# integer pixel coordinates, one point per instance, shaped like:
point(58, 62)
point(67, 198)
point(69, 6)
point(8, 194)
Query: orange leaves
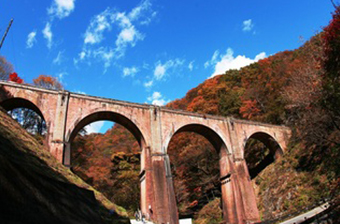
point(47, 82)
point(15, 78)
point(193, 204)
point(249, 109)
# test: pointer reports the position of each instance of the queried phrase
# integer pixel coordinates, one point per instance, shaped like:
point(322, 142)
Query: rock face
point(35, 188)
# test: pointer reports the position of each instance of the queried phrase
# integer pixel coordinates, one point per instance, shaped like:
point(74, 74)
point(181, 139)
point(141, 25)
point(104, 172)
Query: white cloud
point(247, 25)
point(31, 39)
point(228, 61)
point(138, 11)
point(161, 69)
point(48, 35)
point(260, 56)
point(148, 84)
point(57, 60)
point(213, 59)
point(148, 20)
point(127, 36)
point(104, 54)
point(130, 71)
point(58, 9)
point(82, 55)
point(123, 27)
point(80, 92)
point(94, 127)
point(61, 8)
point(98, 25)
point(191, 65)
point(157, 99)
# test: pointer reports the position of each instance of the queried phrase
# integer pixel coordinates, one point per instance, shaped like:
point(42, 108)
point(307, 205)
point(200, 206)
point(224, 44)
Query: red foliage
point(249, 109)
point(13, 77)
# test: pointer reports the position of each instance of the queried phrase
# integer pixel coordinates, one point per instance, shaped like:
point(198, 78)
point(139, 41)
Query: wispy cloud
point(61, 8)
point(247, 25)
point(213, 59)
point(161, 69)
point(148, 84)
point(159, 72)
point(79, 91)
point(31, 40)
point(104, 54)
point(48, 35)
point(128, 36)
point(157, 99)
point(58, 9)
point(94, 127)
point(57, 60)
point(61, 76)
point(224, 62)
point(130, 71)
point(99, 24)
point(191, 65)
point(112, 24)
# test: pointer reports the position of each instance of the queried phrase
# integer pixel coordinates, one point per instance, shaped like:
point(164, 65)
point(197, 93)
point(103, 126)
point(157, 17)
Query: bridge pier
point(247, 193)
point(146, 181)
point(57, 137)
point(165, 201)
point(227, 178)
point(165, 210)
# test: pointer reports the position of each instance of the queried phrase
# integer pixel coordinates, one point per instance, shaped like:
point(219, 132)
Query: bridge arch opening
point(27, 114)
point(110, 159)
point(261, 150)
point(198, 149)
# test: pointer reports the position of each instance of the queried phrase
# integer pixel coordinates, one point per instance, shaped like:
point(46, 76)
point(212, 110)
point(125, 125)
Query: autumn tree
point(13, 77)
point(48, 82)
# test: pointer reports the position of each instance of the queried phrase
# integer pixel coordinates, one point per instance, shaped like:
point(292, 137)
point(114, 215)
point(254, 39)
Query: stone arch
point(275, 151)
point(227, 174)
point(212, 136)
point(99, 116)
point(17, 102)
point(270, 141)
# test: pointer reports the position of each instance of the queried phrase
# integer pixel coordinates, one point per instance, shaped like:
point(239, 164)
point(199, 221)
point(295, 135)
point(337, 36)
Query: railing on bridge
point(325, 211)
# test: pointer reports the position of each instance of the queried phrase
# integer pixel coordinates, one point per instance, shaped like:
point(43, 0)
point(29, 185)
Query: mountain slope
point(35, 188)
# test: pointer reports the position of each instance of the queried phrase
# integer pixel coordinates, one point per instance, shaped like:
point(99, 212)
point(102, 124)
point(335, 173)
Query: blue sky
point(150, 51)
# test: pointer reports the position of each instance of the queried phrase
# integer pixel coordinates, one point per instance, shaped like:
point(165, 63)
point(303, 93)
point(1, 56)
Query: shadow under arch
point(100, 116)
point(16, 102)
point(275, 152)
point(212, 136)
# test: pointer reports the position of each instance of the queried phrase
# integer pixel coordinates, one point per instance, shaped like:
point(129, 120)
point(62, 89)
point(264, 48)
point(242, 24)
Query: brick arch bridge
point(66, 113)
